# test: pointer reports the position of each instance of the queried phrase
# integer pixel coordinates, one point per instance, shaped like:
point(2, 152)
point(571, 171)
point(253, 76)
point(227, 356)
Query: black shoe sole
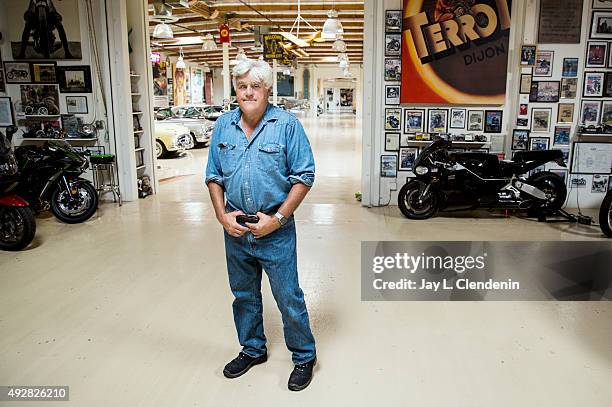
point(246, 369)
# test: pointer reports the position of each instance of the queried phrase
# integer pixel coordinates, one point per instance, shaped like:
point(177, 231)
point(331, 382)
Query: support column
point(227, 90)
point(275, 83)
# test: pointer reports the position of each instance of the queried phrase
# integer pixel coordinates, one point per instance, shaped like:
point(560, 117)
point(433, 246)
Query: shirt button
point(246, 183)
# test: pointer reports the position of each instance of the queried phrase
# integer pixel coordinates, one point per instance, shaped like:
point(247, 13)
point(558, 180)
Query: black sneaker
point(301, 376)
point(241, 364)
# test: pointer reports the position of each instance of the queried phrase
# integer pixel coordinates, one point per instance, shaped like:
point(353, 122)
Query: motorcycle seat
point(542, 155)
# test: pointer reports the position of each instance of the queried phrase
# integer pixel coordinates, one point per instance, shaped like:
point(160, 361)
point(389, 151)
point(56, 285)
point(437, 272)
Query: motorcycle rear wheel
point(74, 209)
point(17, 228)
point(553, 186)
point(410, 205)
point(605, 215)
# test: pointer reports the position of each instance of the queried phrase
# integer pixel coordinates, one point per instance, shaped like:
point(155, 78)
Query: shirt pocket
point(269, 156)
point(227, 158)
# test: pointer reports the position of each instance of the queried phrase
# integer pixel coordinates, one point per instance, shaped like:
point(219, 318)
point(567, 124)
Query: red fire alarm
point(224, 33)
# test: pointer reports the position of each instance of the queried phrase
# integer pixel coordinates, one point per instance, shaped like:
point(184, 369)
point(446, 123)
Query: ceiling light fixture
point(163, 15)
point(180, 63)
point(339, 45)
point(208, 43)
point(332, 27)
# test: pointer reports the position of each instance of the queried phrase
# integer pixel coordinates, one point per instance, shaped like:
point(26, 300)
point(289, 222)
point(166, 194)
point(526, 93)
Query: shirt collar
point(270, 114)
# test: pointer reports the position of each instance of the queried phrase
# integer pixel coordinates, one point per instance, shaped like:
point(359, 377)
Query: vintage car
point(171, 138)
point(191, 117)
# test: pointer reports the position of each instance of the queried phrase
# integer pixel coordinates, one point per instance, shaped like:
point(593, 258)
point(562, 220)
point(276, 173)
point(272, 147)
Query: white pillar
point(275, 82)
point(227, 90)
point(298, 81)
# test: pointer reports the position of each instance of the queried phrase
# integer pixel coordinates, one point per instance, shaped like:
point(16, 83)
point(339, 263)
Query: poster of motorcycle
point(40, 100)
point(44, 29)
point(440, 66)
point(17, 72)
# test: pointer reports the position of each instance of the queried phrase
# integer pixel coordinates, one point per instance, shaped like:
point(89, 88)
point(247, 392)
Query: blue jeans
point(276, 254)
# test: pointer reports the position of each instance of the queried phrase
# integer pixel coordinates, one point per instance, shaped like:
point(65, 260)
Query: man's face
point(252, 95)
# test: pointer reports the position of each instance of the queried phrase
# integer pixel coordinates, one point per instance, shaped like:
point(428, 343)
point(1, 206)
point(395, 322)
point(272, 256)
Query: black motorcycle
point(460, 181)
point(17, 223)
point(605, 215)
point(50, 178)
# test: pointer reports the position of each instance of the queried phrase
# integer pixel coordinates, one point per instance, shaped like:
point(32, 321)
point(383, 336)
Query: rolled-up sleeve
point(213, 171)
point(300, 159)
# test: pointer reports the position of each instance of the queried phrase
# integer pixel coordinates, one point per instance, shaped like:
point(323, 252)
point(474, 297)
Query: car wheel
point(160, 149)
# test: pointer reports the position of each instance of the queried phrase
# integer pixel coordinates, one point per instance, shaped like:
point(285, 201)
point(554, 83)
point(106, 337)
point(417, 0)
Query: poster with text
point(455, 51)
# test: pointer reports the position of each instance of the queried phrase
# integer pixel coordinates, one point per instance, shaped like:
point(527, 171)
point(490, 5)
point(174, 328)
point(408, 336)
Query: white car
point(171, 137)
point(190, 117)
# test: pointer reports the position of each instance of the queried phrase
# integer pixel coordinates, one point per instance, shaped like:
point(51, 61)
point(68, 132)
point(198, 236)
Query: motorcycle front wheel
point(605, 215)
point(411, 203)
point(17, 228)
point(74, 206)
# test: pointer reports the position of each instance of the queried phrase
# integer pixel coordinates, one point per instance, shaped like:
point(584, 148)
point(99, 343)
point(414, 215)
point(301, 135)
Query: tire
point(407, 200)
point(71, 210)
point(17, 228)
point(554, 186)
point(605, 215)
point(160, 149)
point(10, 75)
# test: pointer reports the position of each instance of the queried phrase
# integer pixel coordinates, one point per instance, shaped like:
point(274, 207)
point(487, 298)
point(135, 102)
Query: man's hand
point(265, 226)
point(233, 228)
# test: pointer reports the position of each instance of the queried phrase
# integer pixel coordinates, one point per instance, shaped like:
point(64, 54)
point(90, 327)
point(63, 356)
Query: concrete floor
point(133, 308)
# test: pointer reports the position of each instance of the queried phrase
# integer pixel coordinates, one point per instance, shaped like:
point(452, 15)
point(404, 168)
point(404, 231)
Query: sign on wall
point(557, 25)
point(455, 51)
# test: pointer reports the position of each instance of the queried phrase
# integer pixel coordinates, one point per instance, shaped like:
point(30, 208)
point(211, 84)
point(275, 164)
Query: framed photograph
point(540, 120)
point(17, 72)
point(77, 104)
point(589, 112)
point(608, 85)
point(606, 113)
point(599, 184)
point(545, 91)
point(2, 83)
point(437, 121)
point(393, 69)
point(523, 109)
point(414, 120)
point(539, 143)
point(393, 21)
point(578, 181)
point(591, 157)
point(457, 118)
point(6, 112)
point(392, 94)
point(393, 119)
point(543, 63)
point(602, 4)
point(493, 121)
point(41, 100)
point(525, 84)
point(570, 67)
point(528, 53)
point(520, 138)
point(407, 156)
point(601, 25)
point(593, 84)
point(74, 78)
point(392, 141)
point(475, 120)
point(597, 54)
point(565, 113)
point(522, 122)
point(393, 44)
point(44, 73)
point(562, 135)
point(388, 165)
point(569, 88)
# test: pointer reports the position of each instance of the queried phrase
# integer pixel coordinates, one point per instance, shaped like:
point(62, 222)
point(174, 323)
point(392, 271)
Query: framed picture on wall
point(44, 72)
point(475, 120)
point(17, 72)
point(392, 94)
point(570, 67)
point(457, 118)
point(569, 88)
point(602, 4)
point(528, 53)
point(606, 112)
point(597, 54)
point(539, 143)
point(407, 156)
point(565, 113)
point(525, 84)
point(437, 121)
point(393, 69)
point(392, 141)
point(74, 78)
point(388, 165)
point(562, 135)
point(2, 83)
point(393, 44)
point(493, 121)
point(599, 184)
point(601, 25)
point(77, 104)
point(393, 21)
point(522, 122)
point(589, 112)
point(40, 100)
point(414, 120)
point(608, 85)
point(593, 84)
point(540, 119)
point(523, 109)
point(393, 119)
point(6, 112)
point(544, 91)
point(543, 63)
point(520, 138)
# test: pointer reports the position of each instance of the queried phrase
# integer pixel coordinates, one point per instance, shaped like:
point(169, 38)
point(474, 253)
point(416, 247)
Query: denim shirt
point(257, 174)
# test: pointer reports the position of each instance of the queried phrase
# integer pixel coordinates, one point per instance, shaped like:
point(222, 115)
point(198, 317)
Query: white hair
point(258, 70)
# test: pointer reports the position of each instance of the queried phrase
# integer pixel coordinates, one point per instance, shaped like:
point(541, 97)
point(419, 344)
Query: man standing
point(260, 158)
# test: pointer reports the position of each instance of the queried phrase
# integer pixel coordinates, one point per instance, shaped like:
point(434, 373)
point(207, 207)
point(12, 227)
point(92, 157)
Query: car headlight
point(421, 170)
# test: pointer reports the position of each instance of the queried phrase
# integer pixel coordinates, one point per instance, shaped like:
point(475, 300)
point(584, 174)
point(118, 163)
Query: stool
point(104, 178)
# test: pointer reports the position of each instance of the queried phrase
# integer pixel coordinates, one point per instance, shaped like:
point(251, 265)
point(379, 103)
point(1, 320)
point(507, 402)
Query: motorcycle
point(17, 223)
point(448, 181)
point(50, 178)
point(605, 215)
